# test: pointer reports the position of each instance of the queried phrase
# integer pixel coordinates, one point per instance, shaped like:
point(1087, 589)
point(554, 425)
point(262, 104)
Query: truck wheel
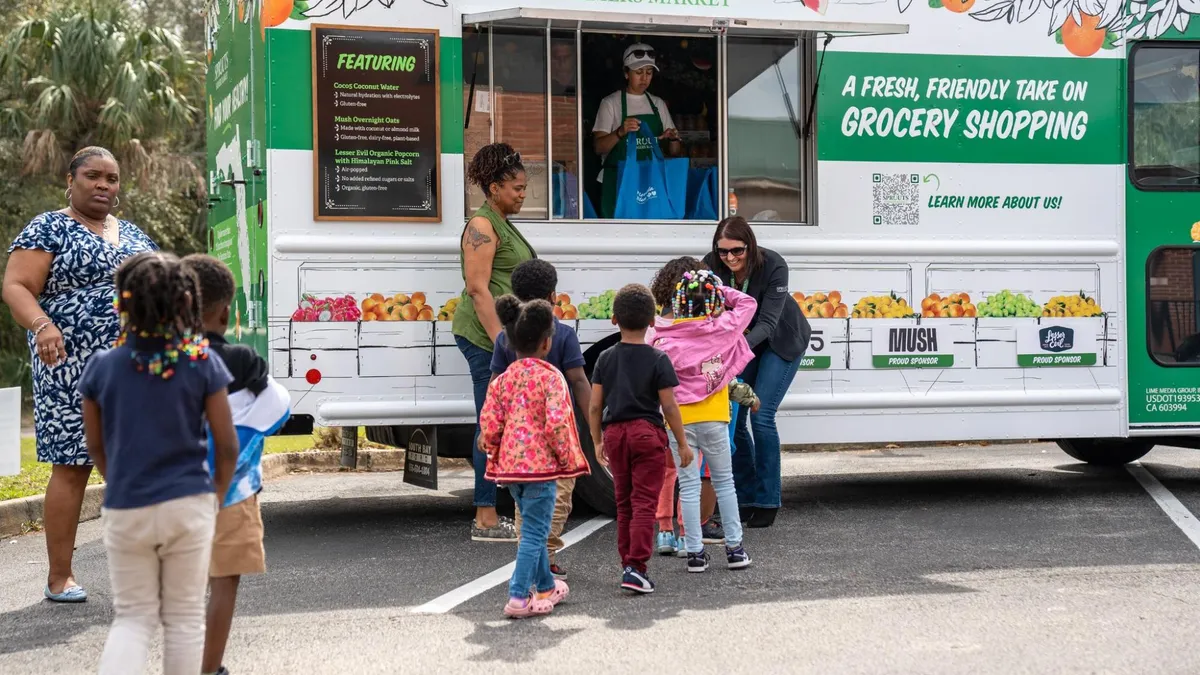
point(1105, 451)
point(596, 490)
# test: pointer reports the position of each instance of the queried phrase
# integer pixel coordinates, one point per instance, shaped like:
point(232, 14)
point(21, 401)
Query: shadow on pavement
point(871, 535)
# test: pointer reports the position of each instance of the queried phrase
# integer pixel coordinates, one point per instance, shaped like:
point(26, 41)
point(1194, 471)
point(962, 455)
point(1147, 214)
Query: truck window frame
point(1131, 100)
point(1154, 255)
point(807, 161)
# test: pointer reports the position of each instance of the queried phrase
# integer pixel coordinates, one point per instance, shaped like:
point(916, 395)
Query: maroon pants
point(637, 455)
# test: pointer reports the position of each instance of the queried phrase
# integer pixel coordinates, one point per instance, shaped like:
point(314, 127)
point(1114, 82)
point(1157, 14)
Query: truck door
point(1161, 237)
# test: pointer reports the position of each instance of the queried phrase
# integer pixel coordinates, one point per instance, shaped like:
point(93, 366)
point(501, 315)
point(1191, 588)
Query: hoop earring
point(117, 202)
point(68, 195)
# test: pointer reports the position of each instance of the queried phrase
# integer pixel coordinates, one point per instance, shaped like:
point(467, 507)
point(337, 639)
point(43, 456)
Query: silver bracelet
point(42, 327)
point(35, 321)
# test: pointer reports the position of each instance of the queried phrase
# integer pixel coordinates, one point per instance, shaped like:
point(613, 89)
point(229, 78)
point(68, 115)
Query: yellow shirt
point(715, 408)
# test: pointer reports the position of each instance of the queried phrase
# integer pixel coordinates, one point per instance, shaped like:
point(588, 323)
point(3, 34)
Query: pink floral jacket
point(527, 427)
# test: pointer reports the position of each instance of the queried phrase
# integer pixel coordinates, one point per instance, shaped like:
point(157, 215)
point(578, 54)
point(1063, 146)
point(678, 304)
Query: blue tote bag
point(702, 194)
point(654, 188)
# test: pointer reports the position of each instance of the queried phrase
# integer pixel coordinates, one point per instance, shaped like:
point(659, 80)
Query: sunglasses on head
point(514, 158)
point(736, 252)
point(642, 53)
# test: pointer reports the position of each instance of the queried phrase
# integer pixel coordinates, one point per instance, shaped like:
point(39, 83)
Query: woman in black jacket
point(778, 335)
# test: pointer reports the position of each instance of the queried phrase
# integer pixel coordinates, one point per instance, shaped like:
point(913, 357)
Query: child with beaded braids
point(145, 405)
point(707, 346)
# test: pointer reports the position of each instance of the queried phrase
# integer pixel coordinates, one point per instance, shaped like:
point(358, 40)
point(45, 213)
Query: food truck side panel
point(963, 214)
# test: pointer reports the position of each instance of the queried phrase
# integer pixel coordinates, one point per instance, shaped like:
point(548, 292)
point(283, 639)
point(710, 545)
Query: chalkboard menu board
point(376, 110)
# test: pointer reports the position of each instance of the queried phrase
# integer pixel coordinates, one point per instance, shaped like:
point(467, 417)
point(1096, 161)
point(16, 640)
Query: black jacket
point(778, 322)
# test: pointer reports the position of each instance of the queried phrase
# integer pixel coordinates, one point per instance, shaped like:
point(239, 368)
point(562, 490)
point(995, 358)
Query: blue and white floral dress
point(78, 298)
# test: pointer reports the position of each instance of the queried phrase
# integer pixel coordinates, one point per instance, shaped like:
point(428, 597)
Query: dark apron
point(608, 196)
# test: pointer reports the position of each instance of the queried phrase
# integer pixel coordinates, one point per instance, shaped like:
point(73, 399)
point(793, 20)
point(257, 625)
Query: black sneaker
point(737, 558)
point(222, 671)
point(712, 533)
point(558, 571)
point(697, 562)
point(638, 582)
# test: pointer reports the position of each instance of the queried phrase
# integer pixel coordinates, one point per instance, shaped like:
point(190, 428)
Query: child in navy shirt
point(537, 279)
point(145, 402)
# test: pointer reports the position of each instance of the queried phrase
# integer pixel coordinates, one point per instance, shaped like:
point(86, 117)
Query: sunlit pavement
point(1001, 559)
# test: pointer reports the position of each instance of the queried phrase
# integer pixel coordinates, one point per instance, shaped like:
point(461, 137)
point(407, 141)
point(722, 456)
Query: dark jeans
point(637, 456)
point(480, 362)
point(756, 461)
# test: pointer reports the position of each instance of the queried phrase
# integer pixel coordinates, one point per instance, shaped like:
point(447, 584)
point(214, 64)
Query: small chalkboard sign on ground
point(376, 115)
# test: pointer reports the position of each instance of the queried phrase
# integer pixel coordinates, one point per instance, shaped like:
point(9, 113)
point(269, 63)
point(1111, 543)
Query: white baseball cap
point(639, 56)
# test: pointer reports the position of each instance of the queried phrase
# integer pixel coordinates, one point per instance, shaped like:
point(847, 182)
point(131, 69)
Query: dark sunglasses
point(736, 251)
point(514, 158)
point(642, 53)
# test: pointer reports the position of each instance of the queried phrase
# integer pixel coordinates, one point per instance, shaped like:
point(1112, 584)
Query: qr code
point(896, 199)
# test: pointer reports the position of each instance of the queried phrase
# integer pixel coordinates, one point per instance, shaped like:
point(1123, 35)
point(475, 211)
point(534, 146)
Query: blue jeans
point(756, 462)
point(712, 440)
point(480, 362)
point(536, 501)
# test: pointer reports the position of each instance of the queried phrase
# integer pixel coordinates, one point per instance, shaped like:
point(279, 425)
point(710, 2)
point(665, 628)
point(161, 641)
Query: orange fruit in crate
point(418, 299)
point(425, 314)
point(409, 312)
point(841, 312)
point(835, 297)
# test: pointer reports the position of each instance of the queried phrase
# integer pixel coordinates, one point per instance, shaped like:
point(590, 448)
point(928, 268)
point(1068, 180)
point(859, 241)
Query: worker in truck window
point(621, 113)
point(492, 247)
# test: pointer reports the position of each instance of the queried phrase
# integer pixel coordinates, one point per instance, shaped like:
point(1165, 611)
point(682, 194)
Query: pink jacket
point(708, 353)
point(528, 426)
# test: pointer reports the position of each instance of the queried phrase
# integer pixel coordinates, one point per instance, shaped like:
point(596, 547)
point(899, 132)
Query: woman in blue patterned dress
point(59, 286)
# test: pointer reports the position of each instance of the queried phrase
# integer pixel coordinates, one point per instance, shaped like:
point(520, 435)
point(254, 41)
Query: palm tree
point(89, 74)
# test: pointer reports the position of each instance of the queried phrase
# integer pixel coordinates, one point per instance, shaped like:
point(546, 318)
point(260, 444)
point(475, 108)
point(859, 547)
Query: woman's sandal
point(70, 594)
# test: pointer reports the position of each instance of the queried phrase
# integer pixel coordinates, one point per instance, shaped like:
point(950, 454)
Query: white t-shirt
point(608, 117)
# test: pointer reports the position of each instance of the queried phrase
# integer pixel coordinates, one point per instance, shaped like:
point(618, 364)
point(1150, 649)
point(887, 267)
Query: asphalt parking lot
point(1001, 559)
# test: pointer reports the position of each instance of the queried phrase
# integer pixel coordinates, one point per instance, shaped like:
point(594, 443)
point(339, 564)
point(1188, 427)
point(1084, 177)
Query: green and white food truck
point(989, 207)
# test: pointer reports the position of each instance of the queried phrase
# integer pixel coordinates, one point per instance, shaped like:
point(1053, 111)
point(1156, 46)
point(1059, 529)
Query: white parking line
point(1175, 510)
point(445, 603)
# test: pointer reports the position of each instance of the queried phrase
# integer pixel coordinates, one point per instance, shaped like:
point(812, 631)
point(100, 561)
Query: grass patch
point(34, 475)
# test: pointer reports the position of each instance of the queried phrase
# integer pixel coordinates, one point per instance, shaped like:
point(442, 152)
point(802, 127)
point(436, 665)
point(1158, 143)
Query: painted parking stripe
point(1175, 510)
point(445, 603)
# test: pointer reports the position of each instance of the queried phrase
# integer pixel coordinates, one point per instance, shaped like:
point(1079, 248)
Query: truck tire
point(1105, 451)
point(595, 490)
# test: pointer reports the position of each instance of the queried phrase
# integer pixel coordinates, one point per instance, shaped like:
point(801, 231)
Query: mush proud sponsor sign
point(911, 347)
point(1048, 345)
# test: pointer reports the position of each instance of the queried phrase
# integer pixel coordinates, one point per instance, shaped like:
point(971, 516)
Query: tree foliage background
point(125, 74)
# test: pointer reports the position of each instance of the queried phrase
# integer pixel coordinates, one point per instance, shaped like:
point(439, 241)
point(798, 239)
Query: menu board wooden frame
point(436, 54)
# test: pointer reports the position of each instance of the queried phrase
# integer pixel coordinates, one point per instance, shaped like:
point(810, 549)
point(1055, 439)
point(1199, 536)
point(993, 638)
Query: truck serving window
point(767, 148)
point(1164, 142)
point(531, 88)
point(1172, 300)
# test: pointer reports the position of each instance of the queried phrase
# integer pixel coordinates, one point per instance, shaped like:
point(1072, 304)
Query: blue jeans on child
point(756, 463)
point(480, 362)
point(536, 501)
point(712, 440)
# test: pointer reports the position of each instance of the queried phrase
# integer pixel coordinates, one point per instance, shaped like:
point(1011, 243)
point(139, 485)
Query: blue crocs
point(69, 594)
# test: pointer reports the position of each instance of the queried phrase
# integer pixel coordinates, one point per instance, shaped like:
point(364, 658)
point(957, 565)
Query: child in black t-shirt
point(632, 391)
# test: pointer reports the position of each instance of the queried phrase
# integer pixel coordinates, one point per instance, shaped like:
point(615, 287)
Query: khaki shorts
point(238, 543)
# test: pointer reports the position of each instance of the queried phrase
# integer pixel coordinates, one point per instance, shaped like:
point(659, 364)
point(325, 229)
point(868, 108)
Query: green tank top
point(511, 250)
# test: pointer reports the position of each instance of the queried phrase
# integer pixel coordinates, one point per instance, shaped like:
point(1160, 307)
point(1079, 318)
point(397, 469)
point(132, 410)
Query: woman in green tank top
point(492, 247)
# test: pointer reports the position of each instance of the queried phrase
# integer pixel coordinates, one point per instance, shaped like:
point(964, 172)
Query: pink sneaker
point(523, 609)
point(560, 592)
